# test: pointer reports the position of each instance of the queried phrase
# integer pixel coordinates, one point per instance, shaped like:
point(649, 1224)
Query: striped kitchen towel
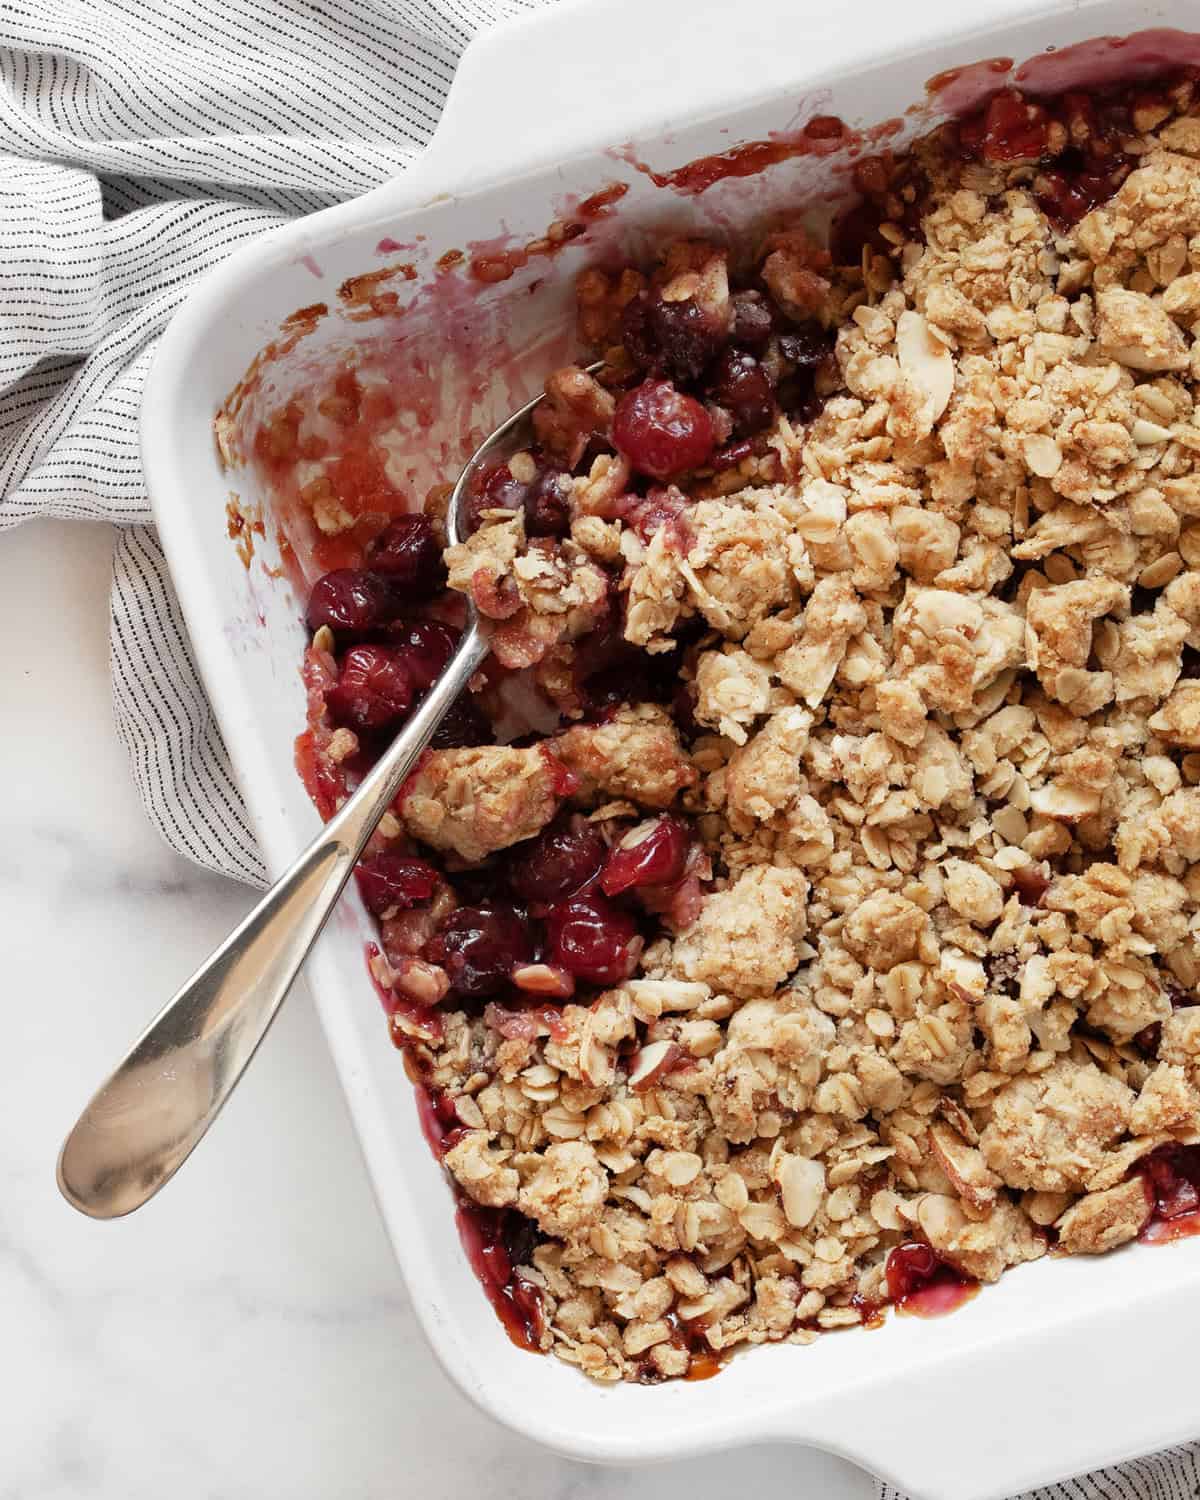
point(140, 142)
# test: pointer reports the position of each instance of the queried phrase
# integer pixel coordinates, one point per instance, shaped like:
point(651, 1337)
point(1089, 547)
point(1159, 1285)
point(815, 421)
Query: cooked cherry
point(657, 858)
point(687, 336)
point(352, 602)
point(465, 724)
point(637, 336)
point(806, 345)
point(661, 431)
point(556, 864)
point(547, 511)
point(658, 507)
point(679, 337)
point(731, 455)
point(543, 499)
point(592, 939)
point(425, 646)
point(394, 882)
point(408, 552)
point(752, 321)
point(742, 387)
point(373, 688)
point(479, 946)
point(500, 490)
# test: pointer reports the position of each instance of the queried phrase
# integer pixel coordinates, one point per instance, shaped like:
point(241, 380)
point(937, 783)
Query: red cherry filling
point(352, 602)
point(592, 939)
point(425, 646)
point(479, 946)
point(806, 345)
point(752, 321)
point(394, 882)
point(1070, 192)
point(920, 1281)
point(408, 552)
point(1012, 128)
point(680, 337)
point(661, 431)
point(743, 388)
point(544, 499)
point(1030, 883)
point(656, 856)
point(546, 507)
point(1172, 1174)
point(497, 1241)
point(373, 689)
point(465, 724)
point(556, 864)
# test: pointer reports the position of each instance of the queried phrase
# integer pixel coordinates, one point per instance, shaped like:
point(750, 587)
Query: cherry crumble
point(798, 916)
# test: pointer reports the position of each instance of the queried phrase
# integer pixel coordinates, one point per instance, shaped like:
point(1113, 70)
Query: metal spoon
point(143, 1123)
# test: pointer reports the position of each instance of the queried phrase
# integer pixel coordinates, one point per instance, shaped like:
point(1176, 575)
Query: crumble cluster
point(947, 775)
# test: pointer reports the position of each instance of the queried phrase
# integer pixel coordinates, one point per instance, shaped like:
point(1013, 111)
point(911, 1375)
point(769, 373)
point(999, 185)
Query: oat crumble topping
point(928, 970)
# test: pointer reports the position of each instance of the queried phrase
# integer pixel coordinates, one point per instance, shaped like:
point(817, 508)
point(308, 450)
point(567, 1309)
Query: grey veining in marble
point(246, 1336)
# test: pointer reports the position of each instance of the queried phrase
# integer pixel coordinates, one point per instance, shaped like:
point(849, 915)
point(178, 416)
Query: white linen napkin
point(140, 142)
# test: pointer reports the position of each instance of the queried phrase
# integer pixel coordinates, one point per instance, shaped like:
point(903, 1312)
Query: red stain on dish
point(367, 295)
point(306, 318)
point(242, 524)
point(296, 326)
point(922, 1283)
point(1172, 1179)
point(389, 246)
point(311, 265)
point(1096, 63)
point(601, 203)
point(1106, 60)
point(958, 90)
point(820, 136)
point(497, 259)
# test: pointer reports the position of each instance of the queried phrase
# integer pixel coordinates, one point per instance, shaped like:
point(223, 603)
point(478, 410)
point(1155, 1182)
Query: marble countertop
point(247, 1334)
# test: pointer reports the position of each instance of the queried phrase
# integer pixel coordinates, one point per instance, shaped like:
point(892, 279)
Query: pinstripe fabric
point(140, 142)
point(1171, 1475)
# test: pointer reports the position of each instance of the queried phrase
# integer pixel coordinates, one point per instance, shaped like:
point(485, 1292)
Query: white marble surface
point(247, 1334)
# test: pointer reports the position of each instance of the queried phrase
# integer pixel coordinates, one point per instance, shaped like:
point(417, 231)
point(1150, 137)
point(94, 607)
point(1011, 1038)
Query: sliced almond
point(1042, 455)
point(652, 1063)
point(801, 1187)
point(1066, 803)
point(940, 1219)
point(544, 979)
point(970, 1175)
point(925, 360)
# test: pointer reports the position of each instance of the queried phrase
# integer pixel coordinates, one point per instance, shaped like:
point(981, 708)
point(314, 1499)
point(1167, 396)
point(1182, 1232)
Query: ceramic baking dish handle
point(1038, 1417)
point(543, 87)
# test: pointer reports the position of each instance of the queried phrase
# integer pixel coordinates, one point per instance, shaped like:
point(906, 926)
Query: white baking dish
point(1064, 1365)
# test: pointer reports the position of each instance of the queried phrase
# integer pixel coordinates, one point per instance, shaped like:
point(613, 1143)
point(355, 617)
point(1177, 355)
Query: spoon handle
point(141, 1125)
